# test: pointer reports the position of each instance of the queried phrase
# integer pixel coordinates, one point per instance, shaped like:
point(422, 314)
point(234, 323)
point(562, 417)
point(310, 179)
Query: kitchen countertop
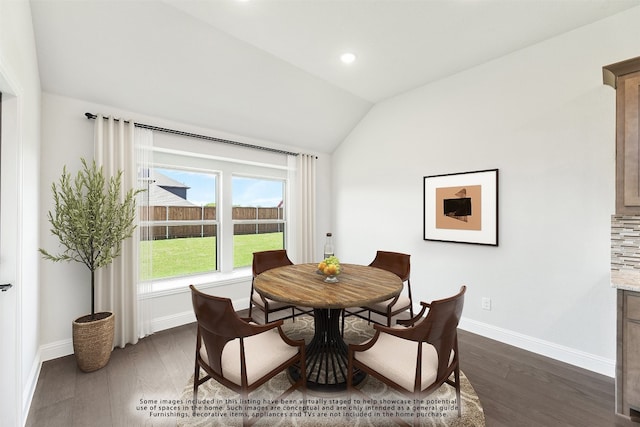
point(628, 280)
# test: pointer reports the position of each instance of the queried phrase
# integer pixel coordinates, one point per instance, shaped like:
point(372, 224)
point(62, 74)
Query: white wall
point(19, 81)
point(543, 117)
point(68, 136)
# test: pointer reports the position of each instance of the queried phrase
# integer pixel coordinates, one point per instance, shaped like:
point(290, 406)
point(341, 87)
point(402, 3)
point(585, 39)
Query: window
point(209, 210)
point(181, 236)
point(258, 217)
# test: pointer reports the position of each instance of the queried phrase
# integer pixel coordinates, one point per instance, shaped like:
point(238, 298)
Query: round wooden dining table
point(301, 285)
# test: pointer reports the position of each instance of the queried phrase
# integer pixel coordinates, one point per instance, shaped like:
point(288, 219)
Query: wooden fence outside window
point(163, 216)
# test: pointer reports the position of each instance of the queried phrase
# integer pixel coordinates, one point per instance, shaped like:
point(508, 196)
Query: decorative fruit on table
point(330, 266)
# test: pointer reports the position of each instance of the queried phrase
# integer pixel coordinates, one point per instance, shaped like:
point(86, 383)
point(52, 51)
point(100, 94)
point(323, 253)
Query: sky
point(246, 191)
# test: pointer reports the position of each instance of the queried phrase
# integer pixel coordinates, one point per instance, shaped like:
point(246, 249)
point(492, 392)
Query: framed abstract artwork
point(462, 207)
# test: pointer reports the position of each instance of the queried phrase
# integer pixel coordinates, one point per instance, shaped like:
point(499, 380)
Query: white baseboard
point(179, 319)
point(562, 353)
point(173, 321)
point(56, 349)
point(65, 347)
point(241, 303)
point(30, 386)
point(565, 354)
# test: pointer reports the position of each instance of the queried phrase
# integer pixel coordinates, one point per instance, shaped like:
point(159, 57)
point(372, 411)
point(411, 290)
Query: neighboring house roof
point(158, 196)
point(164, 181)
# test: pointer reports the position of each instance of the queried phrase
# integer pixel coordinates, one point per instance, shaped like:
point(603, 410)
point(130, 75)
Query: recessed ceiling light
point(347, 57)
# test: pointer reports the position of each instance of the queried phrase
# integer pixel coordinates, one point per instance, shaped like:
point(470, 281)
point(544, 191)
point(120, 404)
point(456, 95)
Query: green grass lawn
point(179, 257)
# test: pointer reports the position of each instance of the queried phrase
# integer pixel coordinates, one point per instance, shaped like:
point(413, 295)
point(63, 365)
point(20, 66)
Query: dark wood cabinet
point(625, 78)
point(628, 357)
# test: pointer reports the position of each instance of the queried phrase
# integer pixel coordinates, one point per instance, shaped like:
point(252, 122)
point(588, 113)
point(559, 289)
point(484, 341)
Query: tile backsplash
point(625, 242)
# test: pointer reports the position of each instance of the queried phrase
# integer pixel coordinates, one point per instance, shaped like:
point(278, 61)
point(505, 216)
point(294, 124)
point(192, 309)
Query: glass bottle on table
point(328, 246)
point(328, 250)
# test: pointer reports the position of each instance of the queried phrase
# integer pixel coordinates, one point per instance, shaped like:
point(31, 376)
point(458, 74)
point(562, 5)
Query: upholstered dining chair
point(418, 355)
point(400, 265)
point(263, 261)
point(238, 353)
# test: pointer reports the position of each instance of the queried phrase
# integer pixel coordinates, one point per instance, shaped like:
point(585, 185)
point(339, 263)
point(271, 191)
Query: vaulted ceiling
point(270, 69)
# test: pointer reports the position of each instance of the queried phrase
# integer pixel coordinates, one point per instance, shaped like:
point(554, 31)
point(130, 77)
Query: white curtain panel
point(303, 212)
point(116, 284)
point(144, 158)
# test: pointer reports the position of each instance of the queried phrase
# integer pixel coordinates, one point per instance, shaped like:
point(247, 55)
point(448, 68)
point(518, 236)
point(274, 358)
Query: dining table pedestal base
point(300, 285)
point(327, 355)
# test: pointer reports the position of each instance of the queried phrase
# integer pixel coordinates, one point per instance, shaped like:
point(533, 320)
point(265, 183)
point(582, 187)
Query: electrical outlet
point(486, 303)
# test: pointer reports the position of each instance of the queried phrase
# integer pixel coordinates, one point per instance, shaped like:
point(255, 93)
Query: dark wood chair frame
point(218, 323)
point(399, 264)
point(438, 328)
point(263, 261)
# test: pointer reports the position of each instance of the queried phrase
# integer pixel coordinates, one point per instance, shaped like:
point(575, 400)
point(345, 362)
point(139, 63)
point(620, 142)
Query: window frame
point(200, 222)
point(284, 220)
point(224, 168)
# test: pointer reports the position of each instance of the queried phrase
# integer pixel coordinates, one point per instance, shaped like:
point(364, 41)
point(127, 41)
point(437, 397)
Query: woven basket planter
point(93, 341)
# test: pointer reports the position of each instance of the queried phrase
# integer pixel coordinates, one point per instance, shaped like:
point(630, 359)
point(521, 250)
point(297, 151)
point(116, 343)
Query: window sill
point(177, 285)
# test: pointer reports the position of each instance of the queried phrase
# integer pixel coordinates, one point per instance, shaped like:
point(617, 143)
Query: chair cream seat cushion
point(403, 303)
point(404, 354)
point(263, 353)
point(273, 305)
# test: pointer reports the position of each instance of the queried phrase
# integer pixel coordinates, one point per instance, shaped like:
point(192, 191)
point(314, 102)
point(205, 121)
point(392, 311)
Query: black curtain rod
point(195, 135)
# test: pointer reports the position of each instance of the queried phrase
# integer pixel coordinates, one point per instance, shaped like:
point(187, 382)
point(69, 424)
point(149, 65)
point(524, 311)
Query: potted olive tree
point(91, 220)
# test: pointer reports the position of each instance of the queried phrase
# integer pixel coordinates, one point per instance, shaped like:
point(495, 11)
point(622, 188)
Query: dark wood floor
point(516, 388)
point(520, 388)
